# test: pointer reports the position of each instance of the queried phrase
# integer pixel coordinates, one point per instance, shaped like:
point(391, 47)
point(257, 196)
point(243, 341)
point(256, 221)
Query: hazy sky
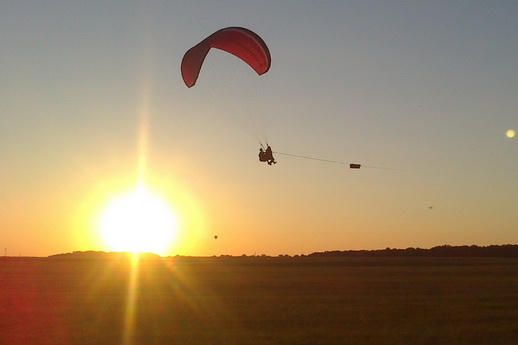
point(91, 96)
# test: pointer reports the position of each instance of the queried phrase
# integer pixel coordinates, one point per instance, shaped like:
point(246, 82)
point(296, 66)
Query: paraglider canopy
point(241, 42)
point(355, 166)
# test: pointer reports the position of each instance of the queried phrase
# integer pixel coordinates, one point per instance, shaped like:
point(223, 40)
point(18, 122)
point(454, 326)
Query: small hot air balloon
point(215, 237)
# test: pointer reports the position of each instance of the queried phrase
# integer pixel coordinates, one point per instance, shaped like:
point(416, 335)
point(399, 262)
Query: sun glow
point(138, 222)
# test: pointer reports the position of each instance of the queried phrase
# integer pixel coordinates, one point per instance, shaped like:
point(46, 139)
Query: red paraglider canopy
point(240, 42)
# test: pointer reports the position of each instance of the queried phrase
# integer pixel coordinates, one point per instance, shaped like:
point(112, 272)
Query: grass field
point(249, 300)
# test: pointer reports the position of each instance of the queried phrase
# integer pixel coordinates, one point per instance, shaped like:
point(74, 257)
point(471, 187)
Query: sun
point(138, 222)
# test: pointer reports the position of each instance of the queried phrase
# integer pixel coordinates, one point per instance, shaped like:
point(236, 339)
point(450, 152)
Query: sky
point(421, 94)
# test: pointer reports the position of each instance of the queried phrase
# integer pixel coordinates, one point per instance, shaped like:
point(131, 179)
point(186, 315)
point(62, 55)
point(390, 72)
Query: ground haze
point(258, 300)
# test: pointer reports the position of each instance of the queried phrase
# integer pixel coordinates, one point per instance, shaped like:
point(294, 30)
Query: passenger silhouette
point(269, 156)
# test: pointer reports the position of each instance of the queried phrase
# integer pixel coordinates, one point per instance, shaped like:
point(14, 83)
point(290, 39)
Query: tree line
point(506, 250)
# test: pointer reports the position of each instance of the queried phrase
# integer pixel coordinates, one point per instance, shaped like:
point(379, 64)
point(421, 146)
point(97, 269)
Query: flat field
point(250, 300)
